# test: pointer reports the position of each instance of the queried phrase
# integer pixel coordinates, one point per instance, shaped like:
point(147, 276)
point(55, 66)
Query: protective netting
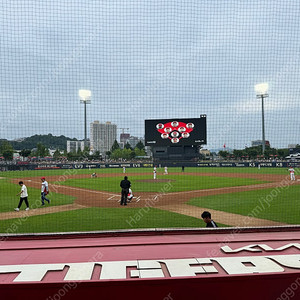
point(79, 79)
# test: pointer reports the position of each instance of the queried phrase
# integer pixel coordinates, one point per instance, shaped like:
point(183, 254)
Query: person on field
point(166, 170)
point(44, 191)
point(129, 196)
point(23, 196)
point(206, 216)
point(292, 173)
point(125, 185)
point(94, 175)
point(154, 173)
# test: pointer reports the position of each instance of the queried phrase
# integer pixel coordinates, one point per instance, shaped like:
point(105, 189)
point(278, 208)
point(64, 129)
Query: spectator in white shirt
point(23, 196)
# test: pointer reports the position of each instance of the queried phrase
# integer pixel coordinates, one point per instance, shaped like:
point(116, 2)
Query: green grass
point(283, 208)
point(67, 172)
point(281, 204)
point(9, 200)
point(182, 182)
point(247, 170)
point(39, 173)
point(91, 219)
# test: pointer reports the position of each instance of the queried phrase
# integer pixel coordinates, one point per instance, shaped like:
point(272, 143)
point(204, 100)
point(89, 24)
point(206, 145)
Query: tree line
point(41, 150)
point(256, 153)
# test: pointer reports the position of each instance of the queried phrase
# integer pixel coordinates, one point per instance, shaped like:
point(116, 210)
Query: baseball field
point(240, 197)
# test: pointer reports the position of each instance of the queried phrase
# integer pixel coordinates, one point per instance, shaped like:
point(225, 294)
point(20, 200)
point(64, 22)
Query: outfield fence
point(45, 166)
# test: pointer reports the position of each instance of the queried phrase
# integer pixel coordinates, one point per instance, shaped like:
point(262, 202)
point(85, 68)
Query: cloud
point(282, 104)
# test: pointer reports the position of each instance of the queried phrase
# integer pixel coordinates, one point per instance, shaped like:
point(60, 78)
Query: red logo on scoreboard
point(175, 131)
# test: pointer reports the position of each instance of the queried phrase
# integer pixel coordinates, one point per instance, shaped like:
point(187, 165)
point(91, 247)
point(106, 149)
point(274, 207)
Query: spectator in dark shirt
point(206, 216)
point(125, 185)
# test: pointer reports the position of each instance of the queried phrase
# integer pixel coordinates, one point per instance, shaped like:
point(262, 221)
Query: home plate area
point(116, 198)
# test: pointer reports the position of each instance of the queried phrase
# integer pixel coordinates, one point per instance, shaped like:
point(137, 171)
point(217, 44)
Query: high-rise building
point(73, 146)
point(124, 137)
point(102, 136)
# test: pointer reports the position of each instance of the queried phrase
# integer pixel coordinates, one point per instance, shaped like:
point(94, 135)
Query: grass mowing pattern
point(281, 204)
point(177, 183)
point(66, 172)
point(91, 219)
point(9, 200)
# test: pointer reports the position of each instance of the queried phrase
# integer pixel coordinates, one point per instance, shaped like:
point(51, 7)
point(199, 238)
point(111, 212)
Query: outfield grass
point(9, 200)
point(177, 183)
point(247, 170)
point(67, 172)
point(272, 204)
point(39, 173)
point(91, 219)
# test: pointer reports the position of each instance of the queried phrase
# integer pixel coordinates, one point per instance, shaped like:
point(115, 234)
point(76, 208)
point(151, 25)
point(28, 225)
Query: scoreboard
point(175, 132)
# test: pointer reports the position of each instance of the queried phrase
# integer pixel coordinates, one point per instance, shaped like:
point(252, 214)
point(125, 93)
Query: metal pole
point(85, 137)
point(263, 125)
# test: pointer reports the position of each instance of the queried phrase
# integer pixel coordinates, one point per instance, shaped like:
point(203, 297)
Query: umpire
point(125, 185)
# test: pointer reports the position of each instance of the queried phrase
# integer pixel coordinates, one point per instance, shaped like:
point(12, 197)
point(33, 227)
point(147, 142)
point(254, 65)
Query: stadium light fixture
point(85, 95)
point(261, 90)
point(85, 98)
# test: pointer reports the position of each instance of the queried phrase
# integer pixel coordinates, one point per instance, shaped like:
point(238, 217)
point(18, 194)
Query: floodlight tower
point(85, 98)
point(261, 90)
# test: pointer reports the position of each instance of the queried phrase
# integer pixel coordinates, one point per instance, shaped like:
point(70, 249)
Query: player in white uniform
point(124, 170)
point(154, 173)
point(166, 170)
point(292, 173)
point(130, 195)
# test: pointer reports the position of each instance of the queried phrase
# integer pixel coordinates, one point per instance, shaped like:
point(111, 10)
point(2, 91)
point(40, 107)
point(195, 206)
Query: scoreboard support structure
point(175, 153)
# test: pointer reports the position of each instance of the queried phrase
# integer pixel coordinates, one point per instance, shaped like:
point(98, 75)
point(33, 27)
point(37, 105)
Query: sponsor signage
point(137, 165)
point(188, 267)
point(271, 255)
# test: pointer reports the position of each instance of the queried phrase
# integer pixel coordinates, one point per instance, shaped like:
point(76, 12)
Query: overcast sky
point(149, 60)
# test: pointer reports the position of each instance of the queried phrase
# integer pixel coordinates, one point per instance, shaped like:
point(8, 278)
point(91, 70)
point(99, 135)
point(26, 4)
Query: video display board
point(175, 132)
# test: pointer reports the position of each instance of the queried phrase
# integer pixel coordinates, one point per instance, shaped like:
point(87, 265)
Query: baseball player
point(154, 173)
point(166, 170)
point(130, 195)
point(292, 173)
point(124, 170)
point(44, 191)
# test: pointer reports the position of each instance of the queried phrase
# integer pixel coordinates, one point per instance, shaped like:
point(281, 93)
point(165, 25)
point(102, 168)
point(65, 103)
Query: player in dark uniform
point(206, 216)
point(125, 185)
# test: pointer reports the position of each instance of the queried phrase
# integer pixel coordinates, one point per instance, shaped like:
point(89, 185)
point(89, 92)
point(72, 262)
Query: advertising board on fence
point(36, 166)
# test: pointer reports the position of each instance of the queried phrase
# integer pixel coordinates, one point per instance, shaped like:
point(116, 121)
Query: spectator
point(206, 216)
